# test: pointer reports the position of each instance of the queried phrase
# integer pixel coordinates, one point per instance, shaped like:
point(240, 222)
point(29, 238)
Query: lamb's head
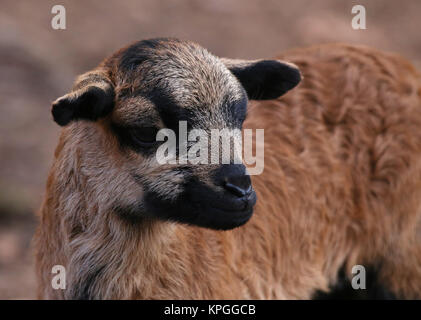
point(172, 84)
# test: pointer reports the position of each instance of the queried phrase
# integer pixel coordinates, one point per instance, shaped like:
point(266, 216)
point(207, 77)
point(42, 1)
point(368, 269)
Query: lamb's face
point(182, 88)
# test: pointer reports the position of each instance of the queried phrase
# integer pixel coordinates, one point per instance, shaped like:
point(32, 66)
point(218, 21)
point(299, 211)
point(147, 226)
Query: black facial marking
point(342, 290)
point(137, 53)
point(127, 137)
point(235, 112)
point(201, 206)
point(170, 112)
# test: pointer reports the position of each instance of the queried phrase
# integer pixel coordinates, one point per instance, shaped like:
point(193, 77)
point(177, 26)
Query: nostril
point(238, 187)
point(239, 192)
point(234, 179)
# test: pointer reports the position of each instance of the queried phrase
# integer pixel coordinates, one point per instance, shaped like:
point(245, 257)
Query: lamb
point(341, 184)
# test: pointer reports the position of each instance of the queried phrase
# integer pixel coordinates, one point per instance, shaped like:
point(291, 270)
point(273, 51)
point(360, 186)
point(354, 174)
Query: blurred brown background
point(38, 64)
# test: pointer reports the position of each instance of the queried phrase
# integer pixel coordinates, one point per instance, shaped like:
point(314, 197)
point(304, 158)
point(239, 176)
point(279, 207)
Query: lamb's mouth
point(216, 210)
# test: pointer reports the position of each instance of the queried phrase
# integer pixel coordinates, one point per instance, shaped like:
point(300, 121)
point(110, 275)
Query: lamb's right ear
point(92, 98)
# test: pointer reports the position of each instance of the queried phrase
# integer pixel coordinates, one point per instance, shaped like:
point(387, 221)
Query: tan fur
point(341, 185)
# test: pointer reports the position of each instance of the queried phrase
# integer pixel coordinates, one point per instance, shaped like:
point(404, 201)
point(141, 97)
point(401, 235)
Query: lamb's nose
point(238, 185)
point(234, 179)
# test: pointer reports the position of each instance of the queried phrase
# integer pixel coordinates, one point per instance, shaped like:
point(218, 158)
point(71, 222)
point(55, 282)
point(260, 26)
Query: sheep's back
point(342, 177)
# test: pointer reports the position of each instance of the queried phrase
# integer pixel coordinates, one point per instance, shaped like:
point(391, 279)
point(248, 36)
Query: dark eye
point(145, 136)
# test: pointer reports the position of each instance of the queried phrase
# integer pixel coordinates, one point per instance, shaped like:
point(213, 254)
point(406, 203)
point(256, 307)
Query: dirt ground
point(38, 64)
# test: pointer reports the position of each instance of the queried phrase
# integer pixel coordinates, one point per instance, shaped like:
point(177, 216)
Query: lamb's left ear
point(264, 79)
point(92, 97)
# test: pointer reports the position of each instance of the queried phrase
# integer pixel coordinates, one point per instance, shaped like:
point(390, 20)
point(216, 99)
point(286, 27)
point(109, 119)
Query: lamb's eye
point(145, 136)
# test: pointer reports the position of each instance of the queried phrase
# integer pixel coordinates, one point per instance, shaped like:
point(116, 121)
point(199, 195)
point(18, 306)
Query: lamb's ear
point(264, 79)
point(92, 97)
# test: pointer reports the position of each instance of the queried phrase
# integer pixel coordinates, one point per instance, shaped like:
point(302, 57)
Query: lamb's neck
point(111, 251)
